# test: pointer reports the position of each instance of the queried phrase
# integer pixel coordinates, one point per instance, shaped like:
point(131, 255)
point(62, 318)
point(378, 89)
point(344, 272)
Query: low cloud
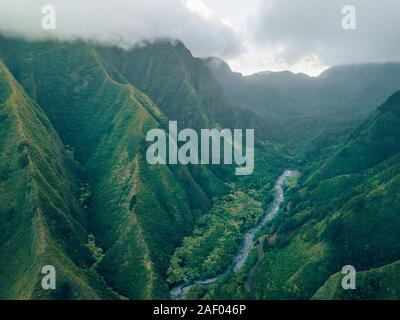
point(123, 22)
point(299, 35)
point(306, 28)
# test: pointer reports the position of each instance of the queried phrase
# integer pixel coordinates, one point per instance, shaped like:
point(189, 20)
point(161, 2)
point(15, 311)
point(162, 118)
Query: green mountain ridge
point(374, 141)
point(373, 284)
point(77, 192)
point(317, 112)
point(105, 120)
point(347, 217)
point(136, 214)
point(167, 71)
point(41, 217)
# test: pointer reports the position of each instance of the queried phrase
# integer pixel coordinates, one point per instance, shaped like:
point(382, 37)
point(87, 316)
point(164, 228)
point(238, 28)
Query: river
point(179, 292)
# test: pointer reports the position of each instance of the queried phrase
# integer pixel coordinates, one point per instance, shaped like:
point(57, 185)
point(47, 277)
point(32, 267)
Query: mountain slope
point(42, 222)
point(135, 215)
point(373, 284)
point(138, 213)
point(317, 112)
point(184, 89)
point(373, 142)
point(347, 217)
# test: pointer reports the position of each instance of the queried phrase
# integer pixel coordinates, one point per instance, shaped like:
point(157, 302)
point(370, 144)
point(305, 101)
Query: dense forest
point(76, 191)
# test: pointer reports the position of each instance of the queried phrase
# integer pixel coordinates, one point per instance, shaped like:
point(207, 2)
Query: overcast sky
point(252, 35)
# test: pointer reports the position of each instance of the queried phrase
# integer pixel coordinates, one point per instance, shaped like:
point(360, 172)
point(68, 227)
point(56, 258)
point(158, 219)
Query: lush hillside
point(77, 192)
point(347, 213)
point(374, 284)
point(187, 92)
point(184, 88)
point(209, 251)
point(374, 141)
point(41, 217)
point(136, 214)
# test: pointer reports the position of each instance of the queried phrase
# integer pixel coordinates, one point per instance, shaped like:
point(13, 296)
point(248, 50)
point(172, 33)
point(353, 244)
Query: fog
point(254, 35)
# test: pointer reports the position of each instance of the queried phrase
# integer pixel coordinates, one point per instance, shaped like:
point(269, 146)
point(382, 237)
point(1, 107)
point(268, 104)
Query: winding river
point(179, 292)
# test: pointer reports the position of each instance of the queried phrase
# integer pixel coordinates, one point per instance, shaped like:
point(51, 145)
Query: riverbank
point(179, 292)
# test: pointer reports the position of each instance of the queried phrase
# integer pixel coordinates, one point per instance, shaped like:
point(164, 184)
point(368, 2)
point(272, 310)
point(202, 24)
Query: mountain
point(104, 119)
point(184, 88)
point(346, 213)
point(41, 217)
point(76, 191)
point(317, 112)
point(124, 218)
point(374, 141)
point(373, 284)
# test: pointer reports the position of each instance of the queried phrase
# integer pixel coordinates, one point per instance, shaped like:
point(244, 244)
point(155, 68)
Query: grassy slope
point(373, 284)
point(187, 92)
point(40, 216)
point(139, 213)
point(339, 220)
point(374, 141)
point(183, 87)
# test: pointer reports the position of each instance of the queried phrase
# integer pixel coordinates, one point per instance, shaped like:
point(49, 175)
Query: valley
point(77, 191)
point(180, 291)
point(130, 227)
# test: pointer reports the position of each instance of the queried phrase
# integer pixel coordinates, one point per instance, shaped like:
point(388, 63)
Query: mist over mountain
point(324, 109)
point(172, 66)
point(77, 192)
point(133, 214)
point(124, 23)
point(302, 36)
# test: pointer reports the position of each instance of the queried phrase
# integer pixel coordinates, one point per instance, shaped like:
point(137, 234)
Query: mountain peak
point(218, 64)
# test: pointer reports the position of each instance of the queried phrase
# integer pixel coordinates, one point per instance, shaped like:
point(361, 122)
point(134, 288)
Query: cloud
point(253, 35)
point(306, 28)
point(125, 22)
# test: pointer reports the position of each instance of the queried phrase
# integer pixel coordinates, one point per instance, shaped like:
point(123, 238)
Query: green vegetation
point(340, 212)
point(41, 221)
point(104, 120)
point(136, 214)
point(184, 88)
point(374, 284)
point(216, 238)
point(76, 191)
point(346, 212)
